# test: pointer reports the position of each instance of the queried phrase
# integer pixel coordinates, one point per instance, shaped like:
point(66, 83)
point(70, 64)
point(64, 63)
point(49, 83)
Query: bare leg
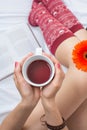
point(71, 99)
point(81, 34)
point(64, 51)
point(73, 91)
point(75, 79)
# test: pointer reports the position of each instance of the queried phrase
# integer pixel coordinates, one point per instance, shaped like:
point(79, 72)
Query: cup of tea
point(38, 70)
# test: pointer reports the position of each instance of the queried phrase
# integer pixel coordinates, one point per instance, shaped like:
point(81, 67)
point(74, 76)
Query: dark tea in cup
point(39, 71)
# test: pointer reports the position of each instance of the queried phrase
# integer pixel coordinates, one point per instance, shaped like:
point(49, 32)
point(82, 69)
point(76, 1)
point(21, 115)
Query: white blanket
point(14, 12)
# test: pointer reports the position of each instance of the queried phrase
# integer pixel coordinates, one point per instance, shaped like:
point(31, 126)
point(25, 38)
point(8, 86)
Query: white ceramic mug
point(38, 70)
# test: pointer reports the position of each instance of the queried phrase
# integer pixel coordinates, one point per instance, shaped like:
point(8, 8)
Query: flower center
point(85, 55)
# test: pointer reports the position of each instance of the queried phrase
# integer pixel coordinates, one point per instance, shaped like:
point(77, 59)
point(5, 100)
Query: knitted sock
point(53, 31)
point(59, 10)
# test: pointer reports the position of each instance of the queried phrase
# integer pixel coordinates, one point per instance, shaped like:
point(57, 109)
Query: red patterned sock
point(59, 10)
point(53, 31)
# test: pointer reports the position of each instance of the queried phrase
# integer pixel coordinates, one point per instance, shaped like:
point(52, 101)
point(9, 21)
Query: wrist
point(49, 104)
point(27, 104)
point(52, 114)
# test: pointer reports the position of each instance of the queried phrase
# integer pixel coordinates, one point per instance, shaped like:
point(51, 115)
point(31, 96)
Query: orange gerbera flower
point(79, 55)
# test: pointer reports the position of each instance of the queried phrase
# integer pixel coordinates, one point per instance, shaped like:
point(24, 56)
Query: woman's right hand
point(48, 92)
point(29, 94)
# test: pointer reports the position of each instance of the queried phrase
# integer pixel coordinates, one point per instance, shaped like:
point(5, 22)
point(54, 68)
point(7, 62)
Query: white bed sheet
point(14, 12)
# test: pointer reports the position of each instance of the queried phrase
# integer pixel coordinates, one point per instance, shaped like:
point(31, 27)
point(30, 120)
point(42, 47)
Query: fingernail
point(58, 65)
point(16, 63)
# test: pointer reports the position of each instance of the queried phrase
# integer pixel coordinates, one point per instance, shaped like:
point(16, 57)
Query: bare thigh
point(78, 120)
point(64, 51)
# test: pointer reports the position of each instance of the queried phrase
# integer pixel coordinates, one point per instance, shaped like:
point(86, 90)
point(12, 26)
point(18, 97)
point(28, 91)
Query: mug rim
point(34, 58)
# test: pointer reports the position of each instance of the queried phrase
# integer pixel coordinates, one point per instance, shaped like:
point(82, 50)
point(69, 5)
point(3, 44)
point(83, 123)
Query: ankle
point(37, 12)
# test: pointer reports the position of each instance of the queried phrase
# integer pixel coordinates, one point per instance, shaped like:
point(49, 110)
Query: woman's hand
point(48, 92)
point(30, 95)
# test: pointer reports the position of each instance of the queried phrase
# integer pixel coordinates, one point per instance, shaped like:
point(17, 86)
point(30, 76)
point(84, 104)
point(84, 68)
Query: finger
point(46, 54)
point(54, 60)
point(18, 74)
point(14, 77)
point(25, 58)
point(21, 84)
point(37, 92)
point(59, 75)
point(16, 83)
